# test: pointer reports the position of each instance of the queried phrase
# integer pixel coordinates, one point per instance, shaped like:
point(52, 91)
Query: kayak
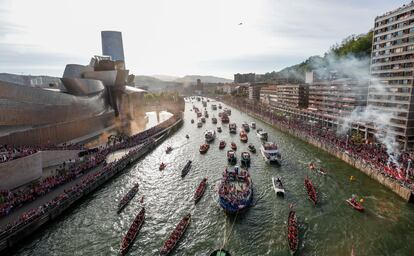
point(357, 206)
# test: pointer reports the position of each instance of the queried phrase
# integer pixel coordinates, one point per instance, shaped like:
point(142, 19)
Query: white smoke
point(332, 67)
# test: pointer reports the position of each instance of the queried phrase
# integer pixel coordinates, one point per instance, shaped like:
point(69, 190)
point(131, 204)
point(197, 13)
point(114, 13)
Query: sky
point(179, 37)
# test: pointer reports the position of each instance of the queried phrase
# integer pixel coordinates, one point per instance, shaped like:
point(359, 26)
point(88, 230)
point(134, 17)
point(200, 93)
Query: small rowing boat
point(186, 169)
point(219, 129)
point(252, 148)
point(233, 146)
point(200, 190)
point(175, 236)
point(293, 234)
point(162, 166)
point(354, 204)
point(315, 168)
point(192, 121)
point(132, 233)
point(204, 148)
point(222, 144)
point(310, 190)
point(168, 150)
point(278, 186)
point(246, 127)
point(125, 200)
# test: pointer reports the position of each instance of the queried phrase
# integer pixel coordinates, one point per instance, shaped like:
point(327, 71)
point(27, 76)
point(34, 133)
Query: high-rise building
point(112, 45)
point(392, 63)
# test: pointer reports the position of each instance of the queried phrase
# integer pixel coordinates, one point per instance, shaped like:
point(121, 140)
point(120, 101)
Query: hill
point(153, 84)
point(204, 79)
point(352, 54)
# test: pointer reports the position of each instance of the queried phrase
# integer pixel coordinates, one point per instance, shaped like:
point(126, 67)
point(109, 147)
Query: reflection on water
point(332, 228)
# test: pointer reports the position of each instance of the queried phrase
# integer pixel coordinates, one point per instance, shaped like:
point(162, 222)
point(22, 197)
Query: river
point(92, 227)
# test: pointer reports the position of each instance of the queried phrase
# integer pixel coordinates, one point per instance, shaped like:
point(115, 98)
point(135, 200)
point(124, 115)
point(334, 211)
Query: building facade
point(287, 98)
point(392, 66)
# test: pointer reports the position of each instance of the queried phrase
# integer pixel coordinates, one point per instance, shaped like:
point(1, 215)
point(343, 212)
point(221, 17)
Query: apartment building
point(392, 66)
point(289, 98)
point(330, 101)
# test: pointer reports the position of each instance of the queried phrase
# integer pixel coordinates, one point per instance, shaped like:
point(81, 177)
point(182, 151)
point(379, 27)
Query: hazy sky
point(178, 37)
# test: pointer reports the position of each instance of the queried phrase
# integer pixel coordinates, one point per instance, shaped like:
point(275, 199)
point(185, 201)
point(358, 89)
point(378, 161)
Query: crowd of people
point(374, 155)
point(235, 189)
point(9, 152)
point(10, 200)
point(70, 193)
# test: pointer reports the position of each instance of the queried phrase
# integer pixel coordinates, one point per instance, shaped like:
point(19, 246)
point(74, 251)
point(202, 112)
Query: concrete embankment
point(366, 168)
point(11, 239)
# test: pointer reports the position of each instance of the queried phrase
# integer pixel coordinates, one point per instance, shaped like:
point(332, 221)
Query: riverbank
point(404, 192)
point(84, 187)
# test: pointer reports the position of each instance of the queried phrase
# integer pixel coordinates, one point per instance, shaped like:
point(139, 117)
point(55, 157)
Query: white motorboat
point(261, 134)
point(210, 135)
point(278, 186)
point(270, 152)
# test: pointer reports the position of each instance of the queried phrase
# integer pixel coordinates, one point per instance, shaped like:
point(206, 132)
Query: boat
point(270, 152)
point(222, 144)
point(246, 127)
point(293, 233)
point(231, 157)
point(200, 190)
point(227, 111)
point(219, 106)
point(204, 103)
point(354, 204)
point(224, 118)
point(219, 129)
point(204, 148)
point(220, 114)
point(213, 106)
point(168, 150)
point(186, 169)
point(162, 166)
point(252, 148)
point(245, 158)
point(187, 136)
point(310, 190)
point(253, 125)
point(243, 136)
point(261, 134)
point(233, 146)
point(199, 124)
point(203, 119)
point(278, 186)
point(315, 168)
point(233, 128)
point(235, 190)
point(132, 233)
point(206, 114)
point(214, 120)
point(199, 114)
point(210, 135)
point(220, 252)
point(175, 236)
point(192, 121)
point(127, 198)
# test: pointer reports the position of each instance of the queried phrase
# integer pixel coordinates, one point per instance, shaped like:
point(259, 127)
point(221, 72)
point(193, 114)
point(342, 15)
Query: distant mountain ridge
point(204, 79)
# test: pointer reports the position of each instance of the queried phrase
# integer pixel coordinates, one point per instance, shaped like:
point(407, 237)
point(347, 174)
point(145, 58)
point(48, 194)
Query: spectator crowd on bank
point(397, 167)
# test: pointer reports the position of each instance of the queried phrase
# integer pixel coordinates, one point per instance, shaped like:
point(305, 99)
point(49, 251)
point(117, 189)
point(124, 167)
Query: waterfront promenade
point(118, 156)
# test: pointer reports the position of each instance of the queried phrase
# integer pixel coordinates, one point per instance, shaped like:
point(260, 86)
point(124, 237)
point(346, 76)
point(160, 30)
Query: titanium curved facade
point(76, 70)
point(27, 106)
point(82, 87)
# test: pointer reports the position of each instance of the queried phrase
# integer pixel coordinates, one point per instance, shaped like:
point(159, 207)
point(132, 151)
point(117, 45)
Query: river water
point(92, 227)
